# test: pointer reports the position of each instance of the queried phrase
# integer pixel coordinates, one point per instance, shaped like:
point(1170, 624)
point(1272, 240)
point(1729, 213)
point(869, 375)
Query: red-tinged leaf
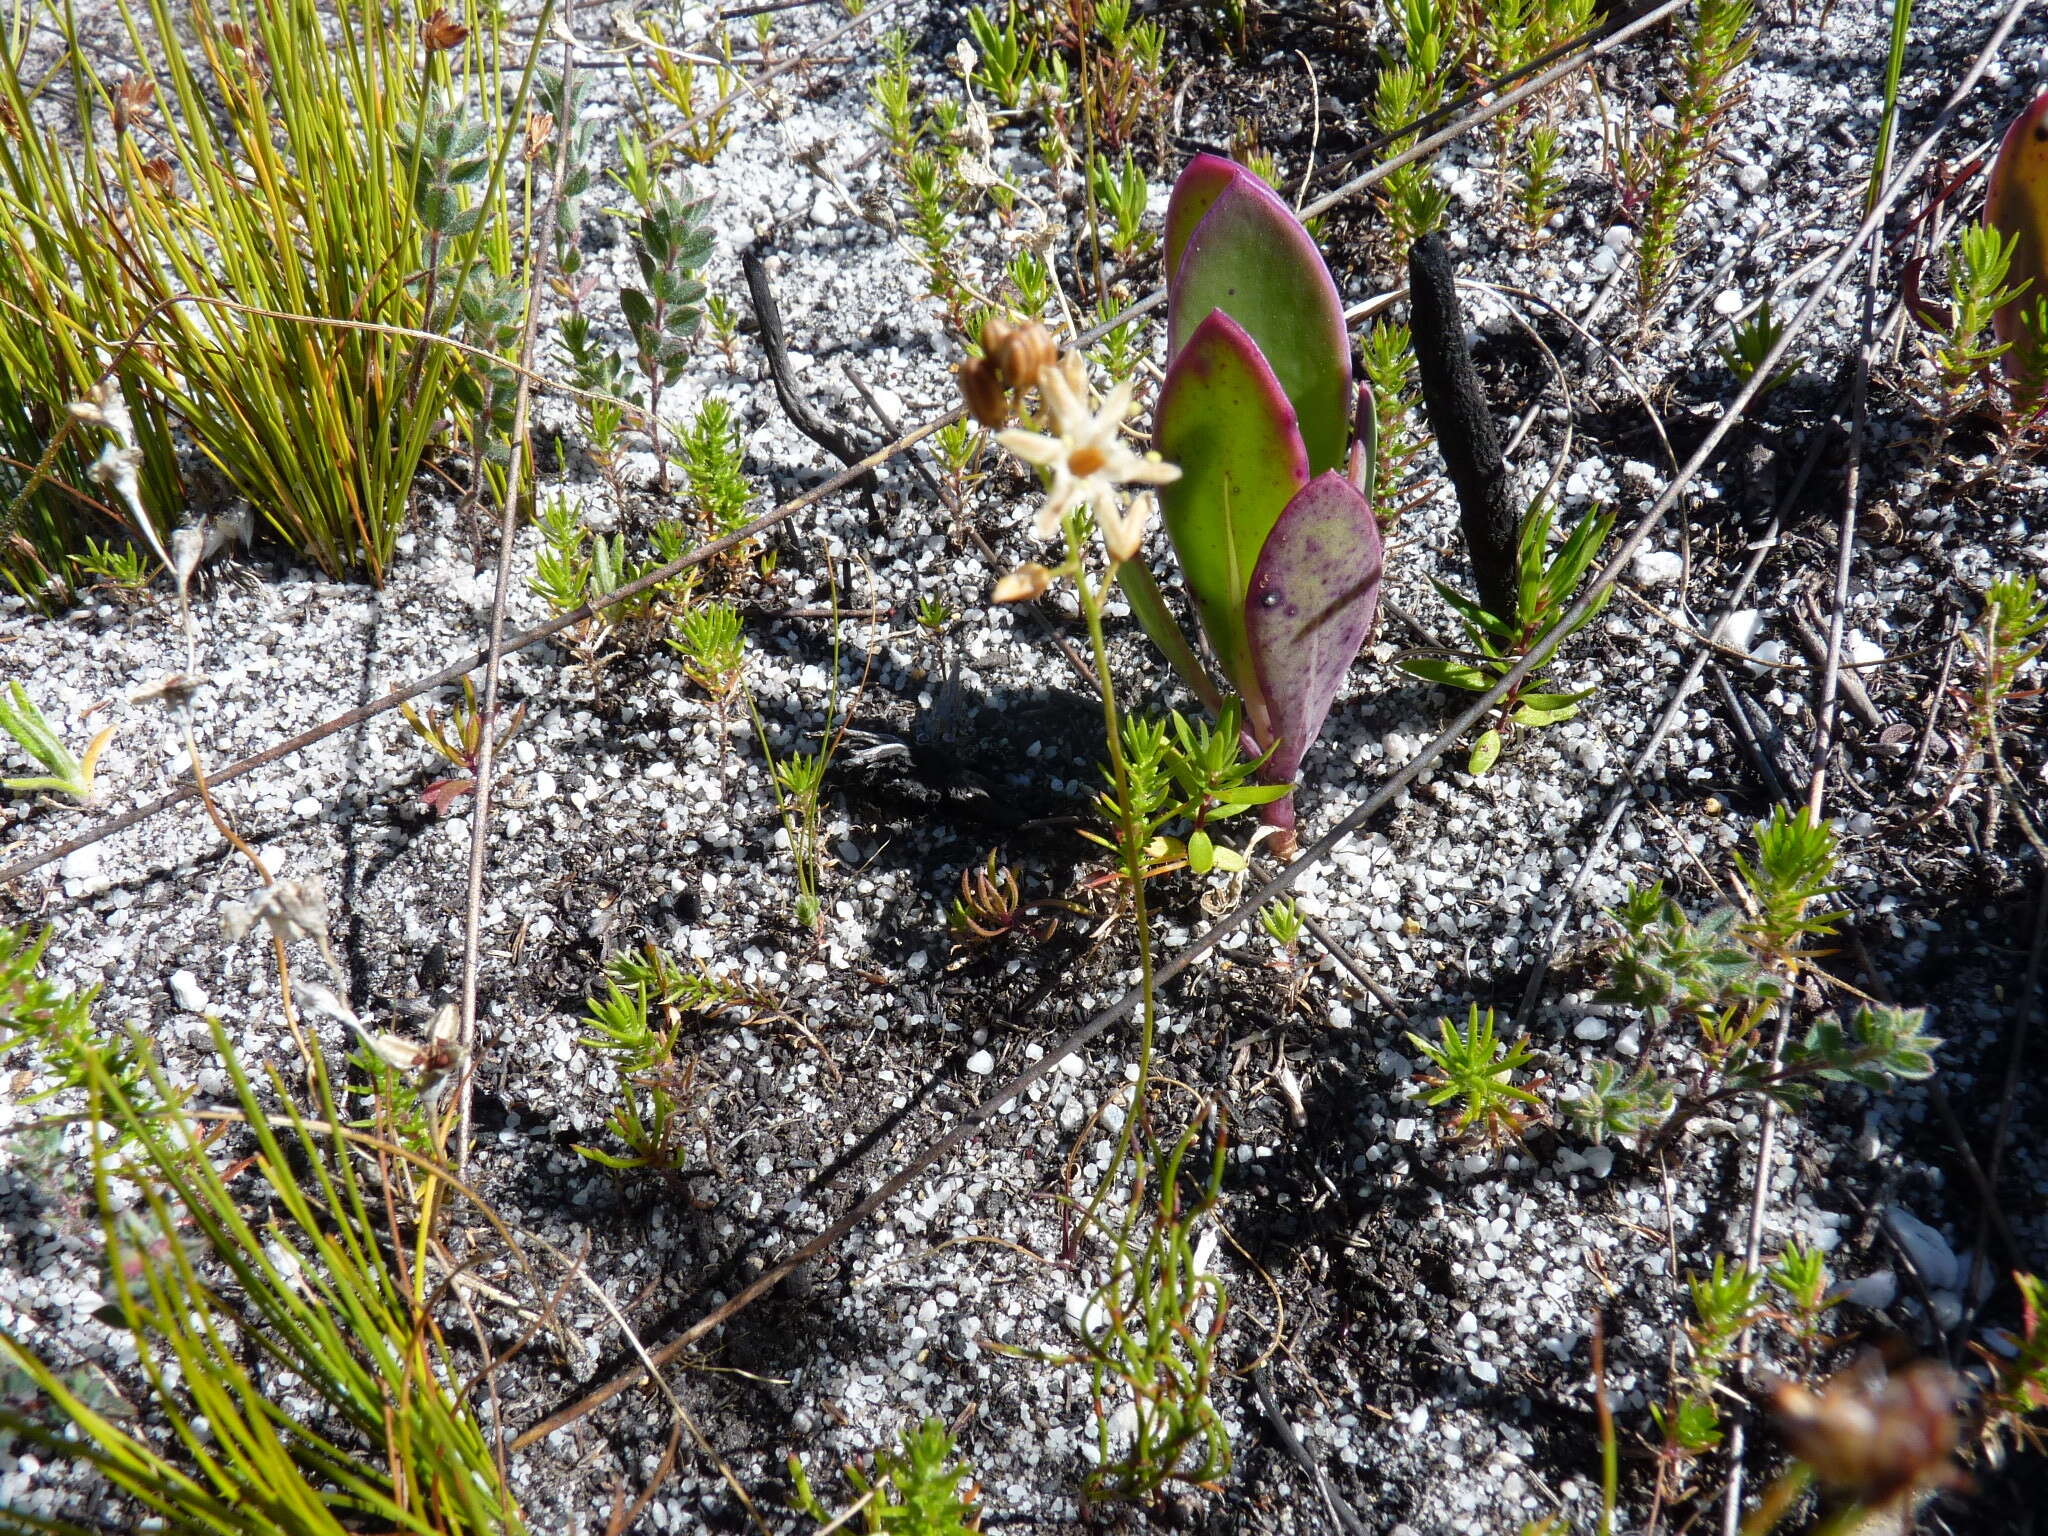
point(2018, 207)
point(443, 793)
point(1311, 605)
point(1250, 258)
point(1200, 184)
point(1223, 418)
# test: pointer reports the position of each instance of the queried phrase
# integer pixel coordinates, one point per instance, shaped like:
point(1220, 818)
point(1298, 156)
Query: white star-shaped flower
point(1086, 453)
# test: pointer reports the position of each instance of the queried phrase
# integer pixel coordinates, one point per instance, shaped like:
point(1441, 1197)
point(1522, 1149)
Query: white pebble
point(1927, 1248)
point(82, 865)
point(1876, 1290)
point(981, 1063)
point(187, 993)
point(1659, 567)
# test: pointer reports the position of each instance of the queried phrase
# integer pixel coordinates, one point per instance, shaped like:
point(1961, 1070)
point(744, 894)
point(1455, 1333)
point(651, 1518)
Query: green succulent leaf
point(1447, 674)
point(1251, 259)
point(1548, 708)
point(1223, 418)
point(1205, 179)
point(1313, 597)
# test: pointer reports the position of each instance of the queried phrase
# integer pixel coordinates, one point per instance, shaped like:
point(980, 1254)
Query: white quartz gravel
point(1438, 1299)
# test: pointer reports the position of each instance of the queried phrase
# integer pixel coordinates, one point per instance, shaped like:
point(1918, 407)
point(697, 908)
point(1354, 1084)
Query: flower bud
point(1123, 534)
point(1029, 580)
point(988, 402)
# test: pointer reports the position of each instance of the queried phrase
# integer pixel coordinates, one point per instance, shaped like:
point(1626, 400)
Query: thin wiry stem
point(480, 816)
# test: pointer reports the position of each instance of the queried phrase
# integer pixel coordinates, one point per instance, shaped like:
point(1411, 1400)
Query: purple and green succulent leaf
point(1249, 257)
point(1224, 419)
point(1365, 442)
point(1311, 603)
point(1200, 184)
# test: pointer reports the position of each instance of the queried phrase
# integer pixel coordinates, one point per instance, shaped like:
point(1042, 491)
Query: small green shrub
point(1660, 175)
point(915, 1491)
point(232, 1316)
point(1475, 1072)
point(267, 165)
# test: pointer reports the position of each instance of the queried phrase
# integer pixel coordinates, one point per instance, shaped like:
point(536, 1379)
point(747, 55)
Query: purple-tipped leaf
point(1223, 418)
point(1250, 258)
point(1311, 604)
point(1200, 184)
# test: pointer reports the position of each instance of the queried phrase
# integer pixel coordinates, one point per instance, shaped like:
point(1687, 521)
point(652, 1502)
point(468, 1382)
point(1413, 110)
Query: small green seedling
point(890, 92)
point(125, 568)
point(714, 463)
point(2011, 635)
point(1281, 922)
point(1476, 1072)
point(1980, 264)
point(1124, 194)
point(1661, 175)
point(724, 325)
point(1150, 1335)
point(710, 639)
point(1006, 54)
point(917, 1491)
point(1034, 283)
point(671, 243)
point(458, 737)
point(1751, 342)
point(1725, 1302)
point(1546, 587)
point(576, 566)
point(1184, 778)
point(63, 773)
point(1387, 353)
point(1618, 1105)
point(649, 1115)
point(1793, 870)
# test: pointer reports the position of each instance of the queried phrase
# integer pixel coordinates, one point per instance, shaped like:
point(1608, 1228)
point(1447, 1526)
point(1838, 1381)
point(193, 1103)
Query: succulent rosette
point(1269, 517)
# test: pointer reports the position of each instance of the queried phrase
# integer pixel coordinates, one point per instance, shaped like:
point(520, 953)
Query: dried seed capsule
point(1023, 353)
point(988, 402)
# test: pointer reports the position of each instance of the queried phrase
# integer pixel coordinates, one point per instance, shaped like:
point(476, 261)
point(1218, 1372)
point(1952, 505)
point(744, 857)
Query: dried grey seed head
point(290, 909)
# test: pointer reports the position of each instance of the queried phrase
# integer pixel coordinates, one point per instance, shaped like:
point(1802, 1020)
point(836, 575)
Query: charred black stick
point(794, 405)
point(1488, 512)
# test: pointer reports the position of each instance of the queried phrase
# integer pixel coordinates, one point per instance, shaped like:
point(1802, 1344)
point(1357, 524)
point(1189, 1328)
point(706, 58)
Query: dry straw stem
point(494, 648)
point(973, 1121)
point(716, 547)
